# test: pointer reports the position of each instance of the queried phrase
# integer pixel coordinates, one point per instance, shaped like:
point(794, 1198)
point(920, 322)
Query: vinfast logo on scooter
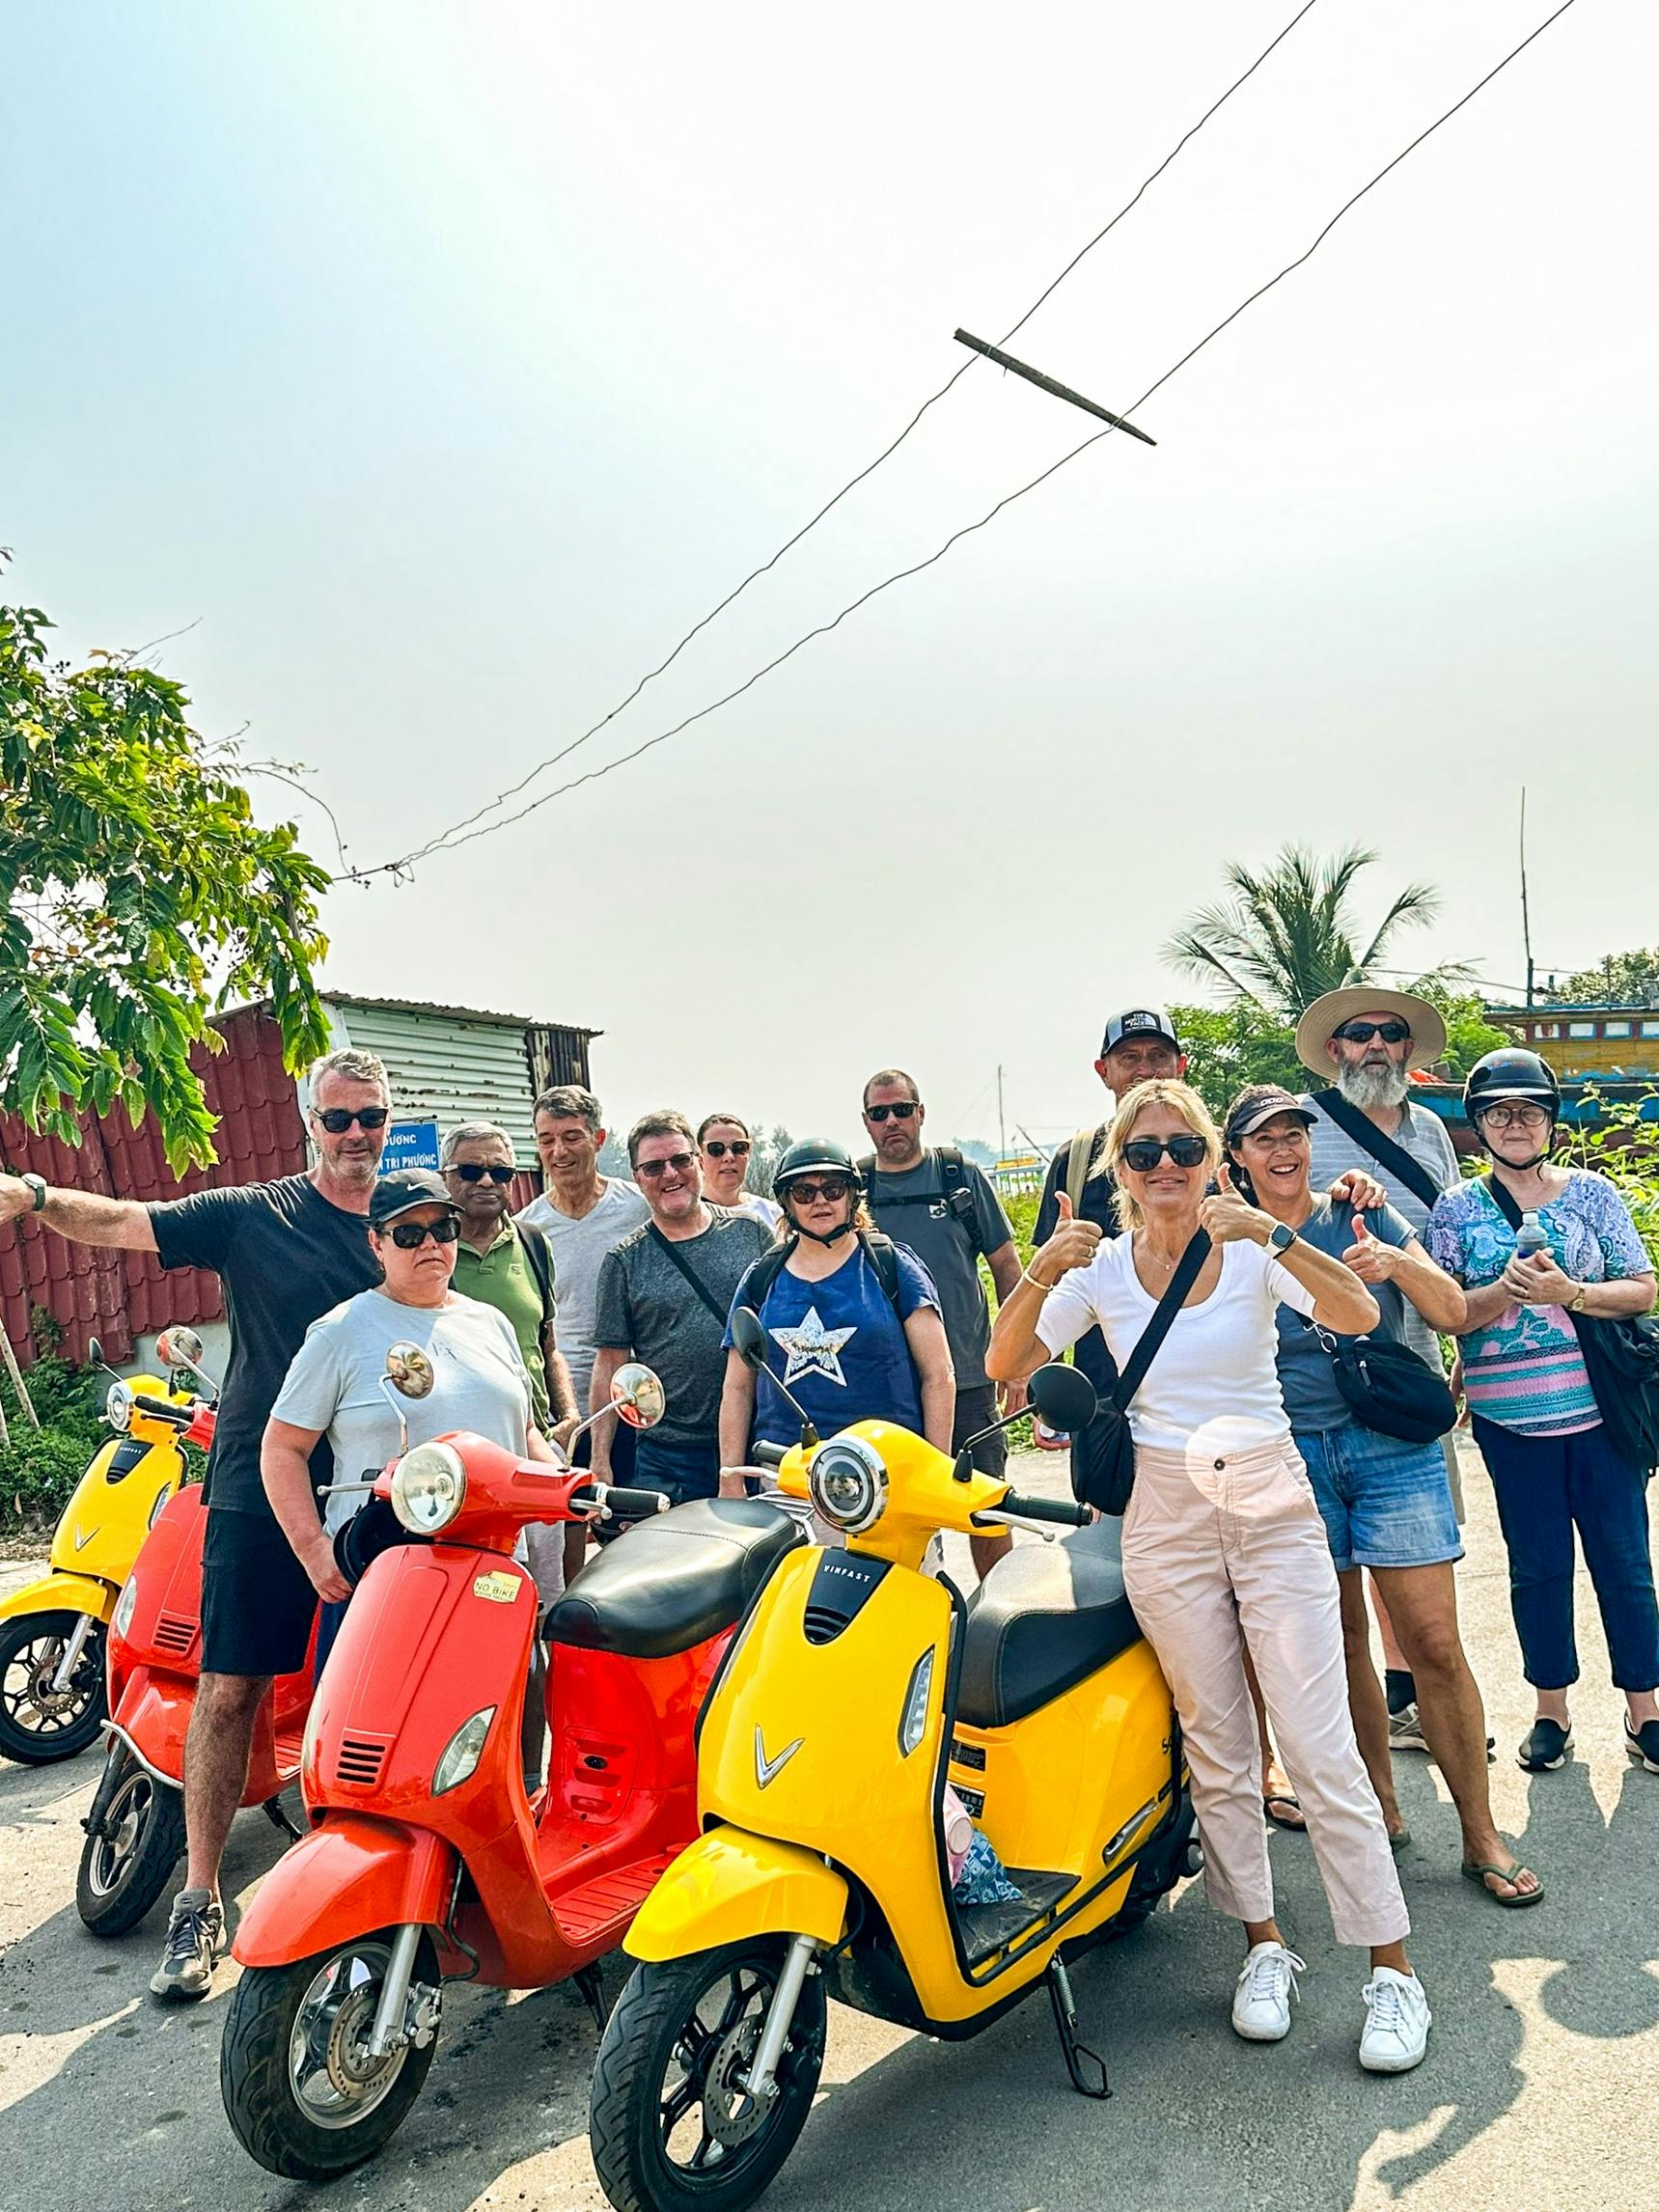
point(841, 1586)
point(767, 1770)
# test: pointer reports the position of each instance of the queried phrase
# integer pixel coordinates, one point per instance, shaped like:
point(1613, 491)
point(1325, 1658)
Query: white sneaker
point(1405, 1730)
point(1267, 1985)
point(1397, 2021)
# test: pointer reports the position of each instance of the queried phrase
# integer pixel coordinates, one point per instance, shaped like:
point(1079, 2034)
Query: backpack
point(538, 1258)
point(1079, 1159)
point(954, 1189)
point(883, 1255)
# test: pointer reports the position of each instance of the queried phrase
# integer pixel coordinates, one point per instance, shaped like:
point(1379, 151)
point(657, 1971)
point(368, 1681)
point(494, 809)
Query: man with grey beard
point(1364, 1042)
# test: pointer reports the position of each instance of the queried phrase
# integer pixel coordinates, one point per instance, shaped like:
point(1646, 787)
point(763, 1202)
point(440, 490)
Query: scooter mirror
point(747, 1336)
point(1063, 1396)
point(410, 1371)
point(178, 1347)
point(95, 1353)
point(638, 1394)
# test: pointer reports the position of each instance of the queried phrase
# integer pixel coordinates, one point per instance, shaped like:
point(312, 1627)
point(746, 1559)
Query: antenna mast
point(1525, 920)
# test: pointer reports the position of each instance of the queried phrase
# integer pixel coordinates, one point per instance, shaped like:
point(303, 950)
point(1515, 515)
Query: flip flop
point(1296, 1827)
point(1401, 1842)
point(1476, 1873)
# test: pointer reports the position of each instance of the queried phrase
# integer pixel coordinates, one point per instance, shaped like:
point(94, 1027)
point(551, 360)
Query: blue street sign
point(411, 1145)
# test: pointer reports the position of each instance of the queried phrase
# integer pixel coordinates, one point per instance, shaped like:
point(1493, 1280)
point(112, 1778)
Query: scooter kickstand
point(1065, 2026)
point(591, 1983)
point(276, 1813)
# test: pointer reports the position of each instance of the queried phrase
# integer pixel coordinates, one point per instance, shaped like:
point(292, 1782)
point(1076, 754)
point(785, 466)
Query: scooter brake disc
point(732, 2113)
point(352, 2071)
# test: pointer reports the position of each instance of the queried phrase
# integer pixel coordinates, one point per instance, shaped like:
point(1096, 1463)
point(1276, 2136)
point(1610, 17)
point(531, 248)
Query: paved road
point(1538, 2092)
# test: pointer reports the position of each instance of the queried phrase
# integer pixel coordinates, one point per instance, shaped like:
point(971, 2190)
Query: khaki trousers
point(1224, 1550)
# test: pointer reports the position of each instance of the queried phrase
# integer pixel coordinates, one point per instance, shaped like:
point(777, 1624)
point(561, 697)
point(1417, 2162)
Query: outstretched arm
point(84, 1217)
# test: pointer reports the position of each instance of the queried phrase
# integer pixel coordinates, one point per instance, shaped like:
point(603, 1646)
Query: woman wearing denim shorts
point(1387, 1504)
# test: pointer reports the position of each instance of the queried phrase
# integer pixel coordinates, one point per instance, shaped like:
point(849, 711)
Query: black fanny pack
point(1390, 1388)
point(1103, 1453)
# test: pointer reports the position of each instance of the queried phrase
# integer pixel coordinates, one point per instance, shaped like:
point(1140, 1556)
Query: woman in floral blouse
point(1535, 1415)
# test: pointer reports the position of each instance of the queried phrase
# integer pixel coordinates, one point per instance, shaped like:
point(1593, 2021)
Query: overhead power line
point(852, 484)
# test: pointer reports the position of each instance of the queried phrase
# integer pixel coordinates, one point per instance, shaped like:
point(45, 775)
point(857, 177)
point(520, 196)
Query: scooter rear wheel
point(300, 2090)
point(670, 2128)
point(128, 1858)
point(39, 1725)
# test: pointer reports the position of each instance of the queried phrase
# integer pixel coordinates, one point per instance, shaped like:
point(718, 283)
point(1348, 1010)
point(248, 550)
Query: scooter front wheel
point(39, 1724)
point(301, 2089)
point(671, 2124)
point(131, 1850)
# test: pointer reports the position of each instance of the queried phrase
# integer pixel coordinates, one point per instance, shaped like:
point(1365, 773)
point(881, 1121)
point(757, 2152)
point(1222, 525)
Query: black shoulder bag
point(1622, 1359)
point(1389, 1387)
point(1402, 1165)
point(1103, 1453)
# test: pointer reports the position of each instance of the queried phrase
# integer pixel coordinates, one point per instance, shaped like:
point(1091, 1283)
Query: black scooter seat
point(674, 1580)
point(1043, 1619)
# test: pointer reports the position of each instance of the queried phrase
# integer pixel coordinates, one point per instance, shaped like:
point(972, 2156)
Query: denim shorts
point(1386, 1503)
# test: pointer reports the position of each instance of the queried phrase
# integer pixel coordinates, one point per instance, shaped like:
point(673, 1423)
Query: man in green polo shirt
point(507, 1264)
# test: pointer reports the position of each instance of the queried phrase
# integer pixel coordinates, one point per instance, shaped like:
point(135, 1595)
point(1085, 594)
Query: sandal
point(1401, 1842)
point(1291, 1819)
point(1474, 1872)
point(1545, 1748)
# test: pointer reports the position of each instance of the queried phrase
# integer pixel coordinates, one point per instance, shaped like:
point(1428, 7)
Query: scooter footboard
point(729, 1886)
point(345, 1878)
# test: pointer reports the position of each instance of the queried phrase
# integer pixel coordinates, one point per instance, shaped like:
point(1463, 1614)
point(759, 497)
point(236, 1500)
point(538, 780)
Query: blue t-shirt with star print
point(840, 1346)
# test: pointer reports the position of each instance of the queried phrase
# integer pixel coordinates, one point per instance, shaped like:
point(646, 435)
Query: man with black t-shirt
point(285, 1252)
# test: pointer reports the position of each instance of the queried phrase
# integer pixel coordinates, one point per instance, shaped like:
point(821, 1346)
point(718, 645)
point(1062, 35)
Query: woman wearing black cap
point(1536, 1417)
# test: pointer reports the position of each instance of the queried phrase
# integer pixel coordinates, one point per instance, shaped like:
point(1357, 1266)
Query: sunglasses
point(901, 1112)
point(678, 1161)
point(833, 1187)
point(717, 1148)
point(1515, 1117)
point(1361, 1032)
point(470, 1171)
point(337, 1120)
point(410, 1235)
point(1142, 1153)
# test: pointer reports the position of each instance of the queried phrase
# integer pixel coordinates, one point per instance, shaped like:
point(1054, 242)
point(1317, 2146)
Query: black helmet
point(814, 1155)
point(1510, 1073)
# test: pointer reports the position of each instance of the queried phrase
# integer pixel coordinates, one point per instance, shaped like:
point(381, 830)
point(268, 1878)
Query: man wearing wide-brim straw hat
point(1362, 1043)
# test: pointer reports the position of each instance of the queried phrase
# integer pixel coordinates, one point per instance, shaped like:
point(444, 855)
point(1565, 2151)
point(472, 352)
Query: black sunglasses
point(1361, 1032)
point(470, 1171)
point(901, 1112)
point(678, 1161)
point(410, 1235)
point(833, 1187)
point(337, 1120)
point(717, 1148)
point(1142, 1153)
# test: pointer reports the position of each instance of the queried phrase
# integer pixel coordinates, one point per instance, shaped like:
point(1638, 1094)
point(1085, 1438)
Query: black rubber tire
point(255, 2084)
point(26, 1745)
point(635, 2053)
point(110, 1901)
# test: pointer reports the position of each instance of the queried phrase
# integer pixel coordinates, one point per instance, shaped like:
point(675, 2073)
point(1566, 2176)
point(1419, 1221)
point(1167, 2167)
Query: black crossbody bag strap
point(1186, 1274)
point(1504, 1199)
point(1365, 1132)
point(692, 1277)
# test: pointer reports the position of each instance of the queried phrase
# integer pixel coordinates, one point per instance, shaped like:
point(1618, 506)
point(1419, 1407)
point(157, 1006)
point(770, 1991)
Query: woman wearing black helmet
point(1536, 1418)
point(852, 1322)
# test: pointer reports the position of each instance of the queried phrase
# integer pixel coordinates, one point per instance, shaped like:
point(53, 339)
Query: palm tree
point(1287, 935)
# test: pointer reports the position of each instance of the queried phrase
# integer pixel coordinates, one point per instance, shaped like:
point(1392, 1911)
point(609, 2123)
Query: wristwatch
point(1575, 1304)
point(1280, 1237)
point(38, 1185)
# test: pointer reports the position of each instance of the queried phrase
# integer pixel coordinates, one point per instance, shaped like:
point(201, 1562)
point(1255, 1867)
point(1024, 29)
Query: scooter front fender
point(730, 1886)
point(345, 1879)
point(62, 1594)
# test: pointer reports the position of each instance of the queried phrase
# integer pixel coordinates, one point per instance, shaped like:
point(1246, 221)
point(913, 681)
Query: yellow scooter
point(52, 1692)
point(853, 1690)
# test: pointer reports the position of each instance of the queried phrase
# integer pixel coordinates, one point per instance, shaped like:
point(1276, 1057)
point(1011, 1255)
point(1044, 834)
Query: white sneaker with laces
point(1267, 1985)
point(1405, 1730)
point(1397, 2021)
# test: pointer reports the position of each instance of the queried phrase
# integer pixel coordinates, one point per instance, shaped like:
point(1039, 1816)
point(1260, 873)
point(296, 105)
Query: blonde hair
point(1160, 1091)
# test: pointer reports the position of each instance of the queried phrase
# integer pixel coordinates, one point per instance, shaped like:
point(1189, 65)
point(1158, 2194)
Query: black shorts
point(976, 1409)
point(258, 1602)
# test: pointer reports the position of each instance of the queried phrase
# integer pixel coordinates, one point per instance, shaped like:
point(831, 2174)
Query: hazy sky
point(448, 361)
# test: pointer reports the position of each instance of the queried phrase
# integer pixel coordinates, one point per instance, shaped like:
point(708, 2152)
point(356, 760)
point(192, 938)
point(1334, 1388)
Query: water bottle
point(1530, 1237)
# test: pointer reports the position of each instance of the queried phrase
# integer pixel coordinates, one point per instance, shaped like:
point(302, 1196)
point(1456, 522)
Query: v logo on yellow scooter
point(823, 1869)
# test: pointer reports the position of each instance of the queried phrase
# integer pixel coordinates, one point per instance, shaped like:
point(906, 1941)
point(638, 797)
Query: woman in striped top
point(1535, 1415)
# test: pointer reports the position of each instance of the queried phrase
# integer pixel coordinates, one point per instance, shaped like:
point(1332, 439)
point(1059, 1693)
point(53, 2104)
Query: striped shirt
point(1423, 1135)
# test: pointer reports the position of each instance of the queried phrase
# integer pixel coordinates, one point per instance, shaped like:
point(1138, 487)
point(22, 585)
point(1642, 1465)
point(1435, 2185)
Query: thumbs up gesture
point(1370, 1259)
point(1229, 1217)
point(1073, 1244)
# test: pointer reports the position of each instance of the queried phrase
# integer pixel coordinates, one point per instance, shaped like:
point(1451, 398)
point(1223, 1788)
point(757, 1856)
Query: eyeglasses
point(653, 1169)
point(717, 1148)
point(1142, 1153)
point(410, 1235)
point(1361, 1032)
point(337, 1120)
point(834, 1188)
point(470, 1171)
point(900, 1112)
point(1516, 1117)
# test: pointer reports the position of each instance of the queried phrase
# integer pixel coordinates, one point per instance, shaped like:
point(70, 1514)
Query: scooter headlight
point(126, 1606)
point(462, 1752)
point(428, 1487)
point(117, 1408)
point(847, 1483)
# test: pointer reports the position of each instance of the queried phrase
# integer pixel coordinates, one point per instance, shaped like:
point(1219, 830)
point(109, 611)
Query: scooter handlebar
point(621, 1503)
point(1060, 1510)
point(768, 1455)
point(165, 1409)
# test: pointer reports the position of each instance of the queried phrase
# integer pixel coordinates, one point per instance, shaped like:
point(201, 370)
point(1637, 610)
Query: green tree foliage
point(140, 894)
point(1286, 934)
point(1622, 979)
point(1227, 1047)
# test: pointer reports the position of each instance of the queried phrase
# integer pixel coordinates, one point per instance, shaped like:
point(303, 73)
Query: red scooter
point(427, 1856)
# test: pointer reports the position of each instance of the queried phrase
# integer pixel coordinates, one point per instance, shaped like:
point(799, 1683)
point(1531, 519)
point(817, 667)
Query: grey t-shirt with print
point(647, 1306)
point(579, 1247)
point(913, 1208)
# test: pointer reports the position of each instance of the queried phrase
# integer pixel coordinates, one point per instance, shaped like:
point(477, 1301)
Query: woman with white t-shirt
point(1222, 1542)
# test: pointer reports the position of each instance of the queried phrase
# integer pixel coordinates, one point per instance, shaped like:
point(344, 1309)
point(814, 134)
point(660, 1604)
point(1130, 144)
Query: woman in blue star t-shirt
point(842, 1348)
